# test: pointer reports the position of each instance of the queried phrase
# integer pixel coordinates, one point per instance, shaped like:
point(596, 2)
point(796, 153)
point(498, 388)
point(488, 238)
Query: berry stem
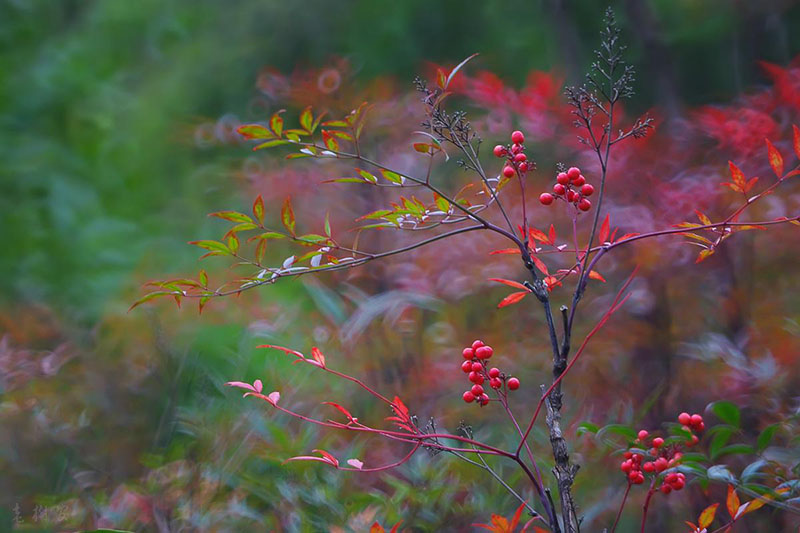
point(621, 506)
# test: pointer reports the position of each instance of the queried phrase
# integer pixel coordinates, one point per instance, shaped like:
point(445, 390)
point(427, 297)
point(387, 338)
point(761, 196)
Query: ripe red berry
point(579, 181)
point(587, 190)
point(508, 171)
point(520, 157)
point(584, 204)
point(484, 399)
point(562, 178)
point(627, 455)
point(477, 344)
point(658, 442)
point(513, 383)
point(661, 464)
point(477, 367)
point(466, 366)
point(639, 479)
point(546, 198)
point(649, 467)
point(626, 466)
point(484, 352)
point(559, 189)
point(642, 434)
point(468, 353)
point(571, 195)
point(468, 397)
point(476, 378)
point(517, 137)
point(678, 484)
point(516, 148)
point(500, 150)
point(495, 383)
point(696, 420)
point(684, 418)
point(666, 489)
point(573, 173)
point(477, 390)
point(700, 427)
point(494, 372)
point(523, 167)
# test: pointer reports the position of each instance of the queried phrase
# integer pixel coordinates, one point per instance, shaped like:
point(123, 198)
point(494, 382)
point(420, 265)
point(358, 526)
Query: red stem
point(622, 505)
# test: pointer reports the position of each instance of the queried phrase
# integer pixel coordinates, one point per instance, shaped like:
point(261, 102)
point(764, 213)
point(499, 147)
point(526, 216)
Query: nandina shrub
point(562, 230)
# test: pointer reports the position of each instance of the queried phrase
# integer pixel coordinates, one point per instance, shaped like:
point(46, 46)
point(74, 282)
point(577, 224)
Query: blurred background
point(117, 124)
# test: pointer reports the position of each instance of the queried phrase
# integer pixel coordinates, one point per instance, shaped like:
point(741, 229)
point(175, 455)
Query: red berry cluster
point(571, 187)
point(663, 455)
point(476, 357)
point(516, 160)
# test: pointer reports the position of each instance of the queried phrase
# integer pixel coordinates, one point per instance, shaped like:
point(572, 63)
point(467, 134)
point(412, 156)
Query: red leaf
point(516, 517)
point(738, 178)
point(732, 502)
point(596, 275)
point(627, 236)
point(750, 184)
point(511, 283)
point(505, 251)
point(540, 265)
point(512, 298)
point(344, 411)
point(796, 143)
point(318, 357)
point(287, 215)
point(775, 159)
point(604, 229)
point(552, 234)
point(539, 235)
point(376, 527)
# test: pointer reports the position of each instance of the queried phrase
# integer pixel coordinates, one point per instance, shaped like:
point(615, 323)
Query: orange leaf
point(540, 265)
point(551, 282)
point(775, 159)
point(539, 235)
point(604, 229)
point(596, 275)
point(511, 283)
point(707, 516)
point(703, 255)
point(512, 298)
point(516, 517)
point(737, 176)
point(505, 251)
point(732, 501)
point(704, 219)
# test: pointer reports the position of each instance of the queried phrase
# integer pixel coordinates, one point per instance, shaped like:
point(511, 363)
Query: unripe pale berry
point(587, 189)
point(477, 390)
point(562, 178)
point(468, 397)
point(559, 189)
point(517, 137)
point(584, 204)
point(500, 150)
point(508, 171)
point(513, 383)
point(546, 198)
point(494, 372)
point(684, 418)
point(466, 366)
point(573, 173)
point(468, 353)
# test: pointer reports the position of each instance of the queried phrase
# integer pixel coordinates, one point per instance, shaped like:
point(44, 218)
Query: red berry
point(477, 390)
point(516, 148)
point(495, 383)
point(517, 137)
point(523, 167)
point(562, 178)
point(500, 150)
point(559, 189)
point(477, 344)
point(684, 418)
point(468, 353)
point(546, 198)
point(475, 378)
point(658, 442)
point(642, 434)
point(580, 180)
point(484, 399)
point(571, 195)
point(625, 466)
point(627, 455)
point(494, 373)
point(584, 205)
point(466, 366)
point(649, 467)
point(573, 173)
point(484, 352)
point(468, 397)
point(661, 464)
point(633, 475)
point(700, 427)
point(587, 189)
point(666, 489)
point(639, 479)
point(694, 440)
point(696, 419)
point(513, 383)
point(520, 157)
point(508, 171)
point(476, 367)
point(678, 484)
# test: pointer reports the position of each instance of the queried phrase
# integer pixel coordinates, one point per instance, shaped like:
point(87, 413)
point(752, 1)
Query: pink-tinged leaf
point(593, 274)
point(505, 251)
point(257, 385)
point(254, 131)
point(333, 460)
point(310, 458)
point(703, 255)
point(274, 397)
point(344, 411)
point(775, 159)
point(396, 527)
point(287, 215)
point(316, 354)
point(511, 283)
point(512, 298)
point(627, 236)
point(242, 385)
point(552, 234)
point(258, 209)
point(732, 502)
point(355, 463)
point(704, 219)
point(281, 348)
point(540, 265)
point(605, 228)
point(539, 235)
point(796, 141)
point(737, 176)
point(707, 516)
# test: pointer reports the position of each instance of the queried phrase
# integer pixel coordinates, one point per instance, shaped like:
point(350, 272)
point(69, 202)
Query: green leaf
point(734, 449)
point(203, 278)
point(258, 209)
point(150, 296)
point(328, 224)
point(254, 131)
point(276, 123)
point(306, 119)
point(620, 429)
point(270, 144)
point(212, 246)
point(394, 177)
point(765, 437)
point(232, 216)
point(367, 175)
point(586, 427)
point(752, 470)
point(721, 436)
point(721, 473)
point(726, 411)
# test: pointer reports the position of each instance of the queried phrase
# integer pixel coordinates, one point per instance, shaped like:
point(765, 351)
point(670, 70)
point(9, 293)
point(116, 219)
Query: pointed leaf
point(737, 176)
point(775, 159)
point(306, 119)
point(732, 502)
point(540, 265)
point(512, 298)
point(276, 123)
point(593, 274)
point(796, 140)
point(511, 283)
point(707, 516)
point(254, 131)
point(316, 354)
point(605, 228)
point(287, 215)
point(258, 209)
point(455, 70)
